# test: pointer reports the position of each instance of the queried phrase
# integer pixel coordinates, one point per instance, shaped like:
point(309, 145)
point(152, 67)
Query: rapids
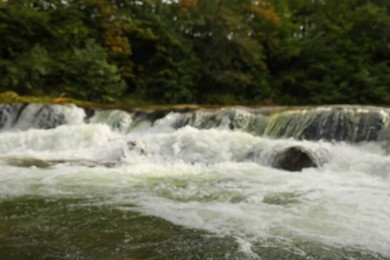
point(193, 184)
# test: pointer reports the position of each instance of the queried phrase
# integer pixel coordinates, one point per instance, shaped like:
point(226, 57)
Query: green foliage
point(233, 61)
point(166, 65)
point(198, 51)
point(26, 72)
point(338, 55)
point(46, 49)
point(86, 74)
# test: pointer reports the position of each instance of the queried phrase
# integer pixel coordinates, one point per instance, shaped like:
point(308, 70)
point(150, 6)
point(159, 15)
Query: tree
point(336, 54)
point(86, 74)
point(170, 69)
point(51, 52)
point(227, 38)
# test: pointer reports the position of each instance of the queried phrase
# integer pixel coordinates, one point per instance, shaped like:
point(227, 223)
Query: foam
point(216, 180)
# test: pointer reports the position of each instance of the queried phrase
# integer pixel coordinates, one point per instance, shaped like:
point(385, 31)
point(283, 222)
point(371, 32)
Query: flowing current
point(193, 184)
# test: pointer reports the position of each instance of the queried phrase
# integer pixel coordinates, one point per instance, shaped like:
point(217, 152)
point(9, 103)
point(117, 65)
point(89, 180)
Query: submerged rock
point(38, 163)
point(294, 159)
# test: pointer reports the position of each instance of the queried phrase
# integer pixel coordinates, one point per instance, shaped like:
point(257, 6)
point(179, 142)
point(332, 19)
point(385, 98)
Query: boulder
point(294, 159)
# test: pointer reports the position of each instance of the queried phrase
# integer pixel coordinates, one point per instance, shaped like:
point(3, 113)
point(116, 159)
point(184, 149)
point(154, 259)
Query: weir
point(331, 123)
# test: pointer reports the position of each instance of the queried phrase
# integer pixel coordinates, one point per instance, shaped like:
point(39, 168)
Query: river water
point(76, 184)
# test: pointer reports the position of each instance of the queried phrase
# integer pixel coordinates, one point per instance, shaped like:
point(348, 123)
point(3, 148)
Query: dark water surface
point(39, 228)
point(36, 228)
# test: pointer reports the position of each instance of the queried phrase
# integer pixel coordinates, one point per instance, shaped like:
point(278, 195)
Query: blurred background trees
point(198, 51)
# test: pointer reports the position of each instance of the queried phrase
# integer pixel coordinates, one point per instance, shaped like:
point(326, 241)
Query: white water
point(216, 180)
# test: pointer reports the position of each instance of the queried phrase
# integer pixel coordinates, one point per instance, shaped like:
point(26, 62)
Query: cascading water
point(193, 184)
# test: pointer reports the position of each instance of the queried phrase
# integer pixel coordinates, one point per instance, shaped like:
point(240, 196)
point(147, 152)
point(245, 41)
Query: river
point(193, 184)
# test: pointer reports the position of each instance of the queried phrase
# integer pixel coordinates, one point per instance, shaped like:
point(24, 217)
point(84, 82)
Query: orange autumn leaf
point(185, 5)
point(266, 11)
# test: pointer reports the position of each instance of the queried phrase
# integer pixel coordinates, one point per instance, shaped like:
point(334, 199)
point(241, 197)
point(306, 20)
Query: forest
point(252, 52)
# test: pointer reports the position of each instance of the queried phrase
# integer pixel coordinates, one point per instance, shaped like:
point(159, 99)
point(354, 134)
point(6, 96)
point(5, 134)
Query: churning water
point(77, 184)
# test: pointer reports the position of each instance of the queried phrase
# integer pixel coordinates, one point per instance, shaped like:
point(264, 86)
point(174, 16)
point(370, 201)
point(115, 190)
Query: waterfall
point(38, 116)
point(352, 124)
